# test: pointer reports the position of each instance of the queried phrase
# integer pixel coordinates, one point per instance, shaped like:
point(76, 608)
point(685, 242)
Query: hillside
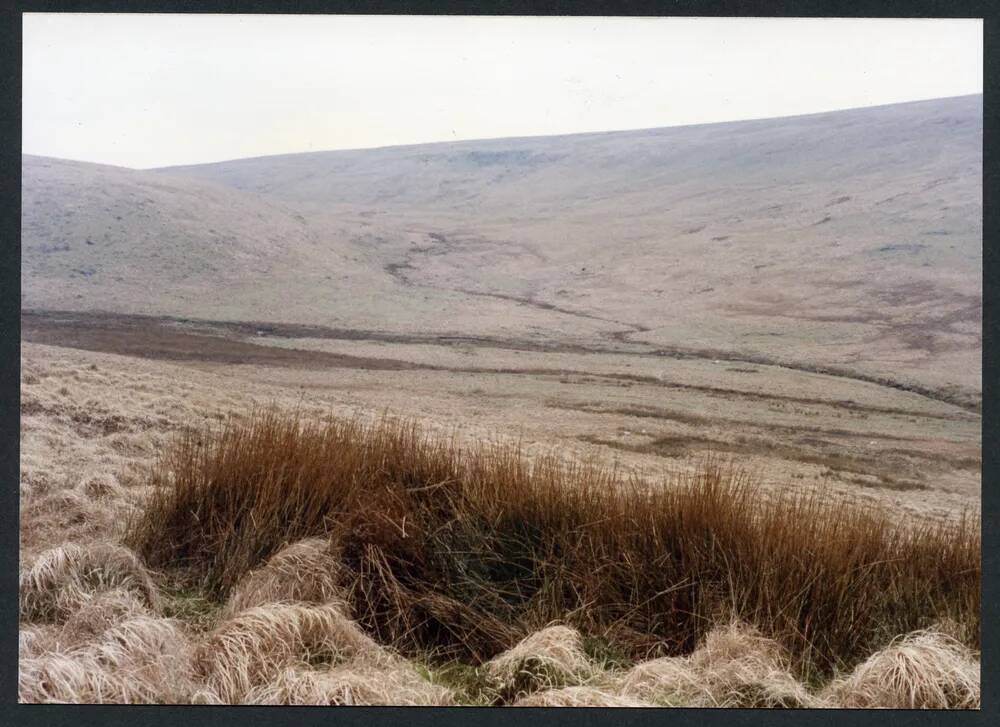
point(106, 238)
point(848, 240)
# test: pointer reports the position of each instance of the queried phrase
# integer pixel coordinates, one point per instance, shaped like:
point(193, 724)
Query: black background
point(181, 716)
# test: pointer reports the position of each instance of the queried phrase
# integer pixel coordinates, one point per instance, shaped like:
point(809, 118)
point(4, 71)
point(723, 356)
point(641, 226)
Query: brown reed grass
point(462, 551)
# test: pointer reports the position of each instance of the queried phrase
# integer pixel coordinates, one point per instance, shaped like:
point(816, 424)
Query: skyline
point(525, 136)
point(198, 89)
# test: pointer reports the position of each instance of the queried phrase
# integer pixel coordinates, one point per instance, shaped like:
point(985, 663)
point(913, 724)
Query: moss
point(468, 682)
point(192, 606)
point(609, 656)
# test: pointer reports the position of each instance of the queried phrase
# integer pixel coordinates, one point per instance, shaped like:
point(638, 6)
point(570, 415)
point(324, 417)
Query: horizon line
point(521, 137)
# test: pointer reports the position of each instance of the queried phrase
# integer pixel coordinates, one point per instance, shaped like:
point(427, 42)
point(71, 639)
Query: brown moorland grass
point(252, 648)
point(386, 684)
point(461, 551)
point(925, 669)
point(63, 580)
point(551, 658)
point(579, 696)
point(733, 667)
point(303, 572)
point(141, 659)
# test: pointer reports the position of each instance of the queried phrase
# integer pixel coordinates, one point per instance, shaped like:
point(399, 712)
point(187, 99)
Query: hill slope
point(848, 239)
point(108, 238)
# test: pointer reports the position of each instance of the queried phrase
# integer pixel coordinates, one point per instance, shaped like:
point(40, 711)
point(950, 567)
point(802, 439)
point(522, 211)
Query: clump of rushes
point(462, 551)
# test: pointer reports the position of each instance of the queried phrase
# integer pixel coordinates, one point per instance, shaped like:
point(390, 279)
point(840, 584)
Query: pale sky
point(146, 90)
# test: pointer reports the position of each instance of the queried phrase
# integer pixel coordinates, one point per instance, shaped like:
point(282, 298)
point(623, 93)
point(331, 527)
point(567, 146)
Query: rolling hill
point(849, 240)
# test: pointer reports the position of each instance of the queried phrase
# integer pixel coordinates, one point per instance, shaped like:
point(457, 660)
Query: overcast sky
point(145, 90)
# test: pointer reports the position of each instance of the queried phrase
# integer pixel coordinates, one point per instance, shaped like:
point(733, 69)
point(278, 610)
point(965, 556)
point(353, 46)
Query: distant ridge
point(579, 134)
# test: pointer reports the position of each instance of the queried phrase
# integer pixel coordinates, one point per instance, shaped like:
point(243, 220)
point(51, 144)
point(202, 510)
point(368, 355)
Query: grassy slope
point(582, 236)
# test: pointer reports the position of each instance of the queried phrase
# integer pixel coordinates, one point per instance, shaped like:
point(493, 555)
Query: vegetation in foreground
point(342, 562)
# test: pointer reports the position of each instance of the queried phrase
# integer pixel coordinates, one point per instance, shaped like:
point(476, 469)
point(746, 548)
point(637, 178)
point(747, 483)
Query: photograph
point(500, 361)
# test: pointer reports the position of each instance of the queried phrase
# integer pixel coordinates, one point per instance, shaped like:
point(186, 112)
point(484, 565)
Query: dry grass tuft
point(206, 696)
point(252, 648)
point(734, 667)
point(547, 659)
point(138, 660)
point(63, 579)
point(304, 572)
point(102, 487)
point(99, 612)
point(924, 670)
point(579, 697)
point(36, 639)
point(396, 684)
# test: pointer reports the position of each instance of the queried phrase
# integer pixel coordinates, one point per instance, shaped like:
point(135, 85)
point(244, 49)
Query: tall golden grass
point(461, 551)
